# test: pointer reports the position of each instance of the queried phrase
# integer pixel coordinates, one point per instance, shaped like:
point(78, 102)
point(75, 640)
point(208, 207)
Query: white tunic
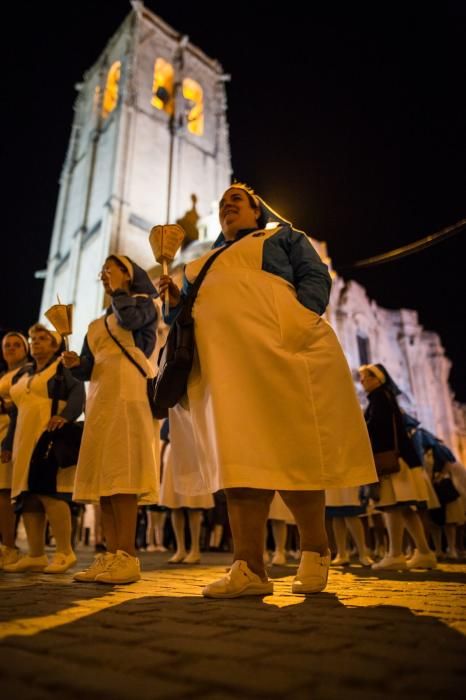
point(120, 446)
point(170, 498)
point(341, 498)
point(30, 395)
point(410, 485)
point(280, 511)
point(6, 468)
point(271, 397)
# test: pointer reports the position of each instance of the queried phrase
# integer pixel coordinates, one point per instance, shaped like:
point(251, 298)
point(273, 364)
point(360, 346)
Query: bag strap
point(58, 381)
point(189, 300)
point(395, 433)
point(191, 296)
point(124, 350)
point(395, 409)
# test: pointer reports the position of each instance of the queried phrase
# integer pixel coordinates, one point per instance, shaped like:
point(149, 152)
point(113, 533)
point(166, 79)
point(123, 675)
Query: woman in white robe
point(41, 496)
point(15, 352)
point(270, 394)
point(118, 461)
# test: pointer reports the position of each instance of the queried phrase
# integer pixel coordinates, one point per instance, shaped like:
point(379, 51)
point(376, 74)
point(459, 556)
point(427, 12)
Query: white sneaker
point(192, 558)
point(61, 563)
point(390, 563)
point(278, 559)
point(8, 555)
point(312, 573)
point(239, 581)
point(27, 563)
point(340, 560)
point(422, 561)
point(98, 566)
point(177, 558)
point(122, 569)
point(366, 560)
point(295, 554)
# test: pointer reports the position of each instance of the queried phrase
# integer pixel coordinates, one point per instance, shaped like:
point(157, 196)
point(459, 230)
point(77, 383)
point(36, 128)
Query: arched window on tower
point(162, 88)
point(110, 99)
point(194, 96)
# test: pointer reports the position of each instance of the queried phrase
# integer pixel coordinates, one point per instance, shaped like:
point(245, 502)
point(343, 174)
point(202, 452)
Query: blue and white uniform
point(270, 394)
point(32, 394)
point(120, 446)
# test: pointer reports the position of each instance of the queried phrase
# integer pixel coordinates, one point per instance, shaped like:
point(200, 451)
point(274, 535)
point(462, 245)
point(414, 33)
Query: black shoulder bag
point(176, 356)
point(55, 449)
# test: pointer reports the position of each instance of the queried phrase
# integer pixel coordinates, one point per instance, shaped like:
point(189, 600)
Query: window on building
point(162, 87)
point(194, 96)
point(110, 99)
point(363, 349)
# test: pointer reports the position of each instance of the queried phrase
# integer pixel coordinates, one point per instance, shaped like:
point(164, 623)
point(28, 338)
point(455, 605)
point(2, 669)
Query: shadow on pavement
point(437, 575)
point(41, 595)
point(153, 647)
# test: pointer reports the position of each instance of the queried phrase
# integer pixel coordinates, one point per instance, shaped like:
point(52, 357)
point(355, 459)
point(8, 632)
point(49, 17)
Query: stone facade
point(114, 184)
point(414, 357)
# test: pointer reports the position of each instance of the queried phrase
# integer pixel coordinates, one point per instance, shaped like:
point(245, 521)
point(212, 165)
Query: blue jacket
point(290, 255)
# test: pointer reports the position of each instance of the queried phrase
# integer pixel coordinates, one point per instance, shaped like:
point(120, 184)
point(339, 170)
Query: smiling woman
point(270, 395)
point(35, 392)
point(238, 210)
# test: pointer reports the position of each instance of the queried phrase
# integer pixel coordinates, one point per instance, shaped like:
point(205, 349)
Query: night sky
point(350, 123)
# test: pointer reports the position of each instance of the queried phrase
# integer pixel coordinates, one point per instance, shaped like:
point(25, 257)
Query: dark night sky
point(351, 123)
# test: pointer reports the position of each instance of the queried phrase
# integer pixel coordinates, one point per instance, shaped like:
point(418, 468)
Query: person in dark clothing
point(403, 493)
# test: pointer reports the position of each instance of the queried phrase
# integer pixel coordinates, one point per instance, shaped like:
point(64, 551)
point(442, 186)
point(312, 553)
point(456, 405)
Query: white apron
point(120, 446)
point(271, 397)
point(6, 468)
point(170, 498)
point(410, 485)
point(30, 395)
point(340, 498)
point(280, 511)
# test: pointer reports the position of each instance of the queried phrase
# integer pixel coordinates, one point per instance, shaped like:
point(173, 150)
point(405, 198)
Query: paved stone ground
point(367, 637)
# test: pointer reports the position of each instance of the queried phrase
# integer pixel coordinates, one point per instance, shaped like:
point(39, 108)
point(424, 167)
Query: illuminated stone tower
point(149, 131)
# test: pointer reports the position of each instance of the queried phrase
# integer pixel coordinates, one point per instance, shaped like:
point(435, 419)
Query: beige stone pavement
point(367, 636)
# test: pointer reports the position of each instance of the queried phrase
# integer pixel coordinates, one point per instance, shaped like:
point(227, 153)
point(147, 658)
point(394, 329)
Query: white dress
point(30, 394)
point(170, 498)
point(120, 446)
point(343, 502)
point(6, 468)
point(271, 396)
point(280, 511)
point(410, 486)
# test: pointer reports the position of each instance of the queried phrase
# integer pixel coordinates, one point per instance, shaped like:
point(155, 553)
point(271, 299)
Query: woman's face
point(113, 277)
point(43, 345)
point(236, 213)
point(369, 381)
point(103, 278)
point(13, 350)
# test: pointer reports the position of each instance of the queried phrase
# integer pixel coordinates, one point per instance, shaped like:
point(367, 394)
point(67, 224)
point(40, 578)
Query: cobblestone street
point(391, 635)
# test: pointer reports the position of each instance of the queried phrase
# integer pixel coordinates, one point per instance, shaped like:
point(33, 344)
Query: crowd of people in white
point(270, 431)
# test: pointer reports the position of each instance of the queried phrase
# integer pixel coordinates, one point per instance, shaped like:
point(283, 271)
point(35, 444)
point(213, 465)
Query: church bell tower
point(149, 138)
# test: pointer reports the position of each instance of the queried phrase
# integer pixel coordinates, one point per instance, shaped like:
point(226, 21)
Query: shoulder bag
point(176, 356)
point(55, 449)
